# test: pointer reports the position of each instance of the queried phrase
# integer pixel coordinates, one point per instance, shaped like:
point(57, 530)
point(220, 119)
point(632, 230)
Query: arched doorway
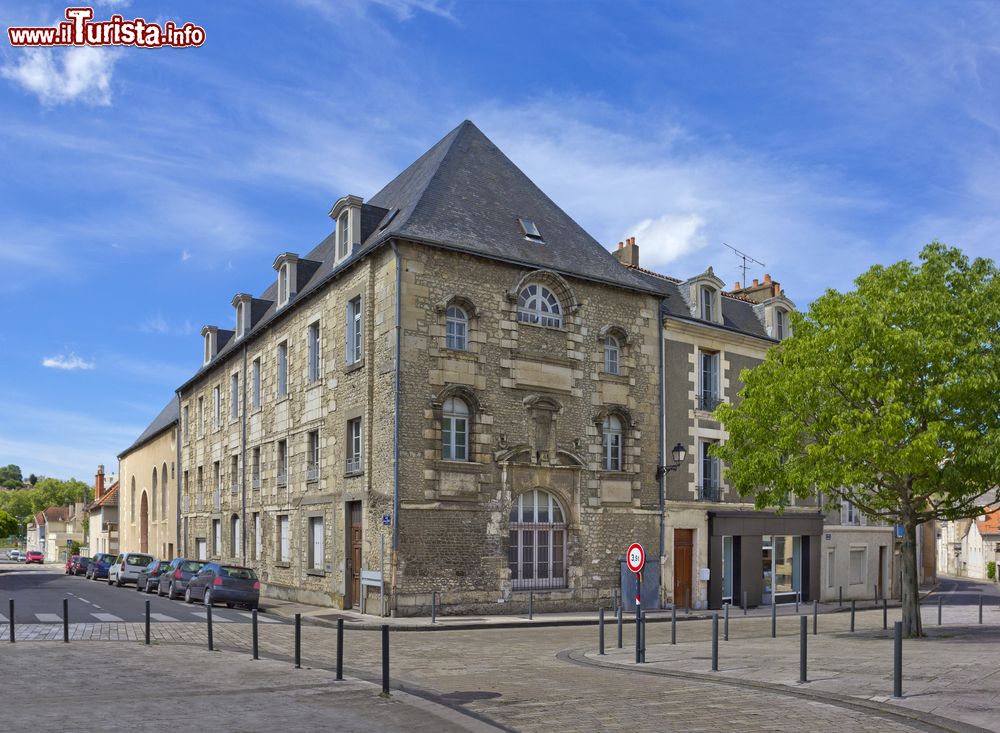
point(144, 524)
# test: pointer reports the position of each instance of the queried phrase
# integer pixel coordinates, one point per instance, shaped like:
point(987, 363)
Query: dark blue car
point(99, 565)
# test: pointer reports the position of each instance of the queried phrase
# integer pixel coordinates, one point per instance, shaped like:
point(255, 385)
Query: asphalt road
point(963, 592)
point(38, 594)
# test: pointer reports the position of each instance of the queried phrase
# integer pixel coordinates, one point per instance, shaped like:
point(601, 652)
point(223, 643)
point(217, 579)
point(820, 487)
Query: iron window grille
point(537, 542)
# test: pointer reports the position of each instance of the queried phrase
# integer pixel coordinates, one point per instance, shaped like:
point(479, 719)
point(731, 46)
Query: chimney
point(99, 483)
point(760, 291)
point(628, 253)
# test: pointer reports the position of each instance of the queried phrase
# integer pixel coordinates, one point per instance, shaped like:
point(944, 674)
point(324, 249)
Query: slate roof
point(737, 312)
point(462, 194)
point(168, 416)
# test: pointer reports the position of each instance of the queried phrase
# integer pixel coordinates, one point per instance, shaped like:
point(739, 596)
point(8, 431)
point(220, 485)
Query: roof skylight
point(530, 230)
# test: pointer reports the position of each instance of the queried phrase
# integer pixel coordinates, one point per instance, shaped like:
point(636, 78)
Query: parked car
point(34, 556)
point(149, 577)
point(99, 566)
point(126, 567)
point(174, 581)
point(70, 559)
point(230, 584)
point(14, 555)
point(79, 566)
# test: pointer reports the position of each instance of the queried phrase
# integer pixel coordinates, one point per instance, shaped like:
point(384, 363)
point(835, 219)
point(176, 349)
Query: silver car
point(126, 567)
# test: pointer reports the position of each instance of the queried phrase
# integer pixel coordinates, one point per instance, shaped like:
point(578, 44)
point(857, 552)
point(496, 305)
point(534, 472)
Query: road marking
point(48, 618)
point(4, 619)
point(261, 619)
point(105, 617)
point(161, 617)
point(85, 601)
point(215, 616)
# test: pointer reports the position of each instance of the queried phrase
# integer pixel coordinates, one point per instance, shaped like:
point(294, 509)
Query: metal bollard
point(980, 608)
point(885, 614)
point(531, 605)
point(853, 609)
point(208, 620)
point(147, 623)
point(385, 659)
point(798, 597)
point(725, 611)
point(340, 648)
point(815, 616)
point(298, 641)
point(11, 620)
point(66, 621)
point(840, 596)
point(774, 618)
point(620, 625)
point(642, 629)
point(434, 597)
point(897, 665)
point(253, 622)
point(803, 628)
point(940, 599)
point(744, 603)
point(673, 624)
point(638, 635)
point(715, 642)
point(600, 632)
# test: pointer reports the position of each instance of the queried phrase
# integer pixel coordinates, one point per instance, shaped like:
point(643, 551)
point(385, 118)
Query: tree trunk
point(910, 591)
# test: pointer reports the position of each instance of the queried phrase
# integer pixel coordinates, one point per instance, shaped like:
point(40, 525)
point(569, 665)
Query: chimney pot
point(755, 283)
point(736, 286)
point(767, 277)
point(621, 245)
point(774, 288)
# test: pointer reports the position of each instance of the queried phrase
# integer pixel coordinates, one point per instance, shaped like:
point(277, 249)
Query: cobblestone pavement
point(522, 678)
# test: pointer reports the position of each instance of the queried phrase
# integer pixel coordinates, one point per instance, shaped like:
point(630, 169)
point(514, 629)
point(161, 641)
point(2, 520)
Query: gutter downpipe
point(180, 472)
point(395, 429)
point(663, 450)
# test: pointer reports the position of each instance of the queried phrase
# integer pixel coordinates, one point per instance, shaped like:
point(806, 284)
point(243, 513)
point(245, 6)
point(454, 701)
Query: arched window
point(707, 303)
point(536, 555)
point(455, 430)
point(344, 235)
point(456, 328)
point(152, 507)
point(612, 351)
point(240, 319)
point(132, 500)
point(612, 429)
point(235, 540)
point(537, 304)
point(163, 492)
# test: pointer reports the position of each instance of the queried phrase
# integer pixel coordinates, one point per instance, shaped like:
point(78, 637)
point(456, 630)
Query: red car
point(70, 561)
point(34, 556)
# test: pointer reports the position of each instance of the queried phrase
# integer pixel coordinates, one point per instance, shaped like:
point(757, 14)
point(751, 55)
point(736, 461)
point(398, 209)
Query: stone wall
point(135, 482)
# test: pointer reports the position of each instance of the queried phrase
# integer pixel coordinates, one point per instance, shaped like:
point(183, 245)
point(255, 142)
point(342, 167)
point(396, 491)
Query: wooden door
point(353, 536)
point(683, 561)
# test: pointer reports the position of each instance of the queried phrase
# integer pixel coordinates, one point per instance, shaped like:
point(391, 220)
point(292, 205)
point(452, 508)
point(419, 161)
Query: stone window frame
point(472, 315)
point(354, 461)
point(256, 384)
point(629, 431)
point(473, 424)
point(354, 331)
point(517, 530)
point(314, 352)
point(152, 494)
point(281, 380)
point(313, 454)
point(311, 566)
point(282, 539)
point(164, 493)
point(235, 536)
point(234, 396)
point(560, 288)
point(624, 341)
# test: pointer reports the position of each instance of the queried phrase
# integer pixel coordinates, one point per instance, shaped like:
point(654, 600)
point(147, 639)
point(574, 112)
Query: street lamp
point(679, 453)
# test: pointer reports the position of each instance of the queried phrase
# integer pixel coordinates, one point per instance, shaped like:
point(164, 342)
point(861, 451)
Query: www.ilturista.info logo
point(80, 29)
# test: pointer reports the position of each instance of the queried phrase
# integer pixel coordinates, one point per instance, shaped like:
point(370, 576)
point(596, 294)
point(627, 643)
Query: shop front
point(768, 557)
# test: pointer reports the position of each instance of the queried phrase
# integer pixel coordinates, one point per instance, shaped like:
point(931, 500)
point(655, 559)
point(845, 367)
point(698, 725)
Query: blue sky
point(140, 189)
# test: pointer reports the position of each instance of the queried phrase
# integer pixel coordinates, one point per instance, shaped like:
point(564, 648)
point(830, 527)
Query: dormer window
point(240, 319)
point(283, 285)
point(780, 323)
point(530, 230)
point(287, 266)
point(208, 348)
point(344, 235)
point(211, 335)
point(707, 303)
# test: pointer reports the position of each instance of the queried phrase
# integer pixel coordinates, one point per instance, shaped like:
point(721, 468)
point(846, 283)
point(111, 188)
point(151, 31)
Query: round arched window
point(536, 554)
point(612, 352)
point(163, 492)
point(537, 304)
point(152, 508)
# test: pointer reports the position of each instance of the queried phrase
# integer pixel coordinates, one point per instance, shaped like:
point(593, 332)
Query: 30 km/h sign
point(635, 558)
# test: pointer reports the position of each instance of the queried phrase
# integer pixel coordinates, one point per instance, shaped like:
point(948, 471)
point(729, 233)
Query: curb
point(926, 721)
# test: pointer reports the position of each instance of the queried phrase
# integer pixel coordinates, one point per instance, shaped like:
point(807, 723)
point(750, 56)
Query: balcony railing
point(708, 402)
point(708, 492)
point(282, 478)
point(312, 472)
point(354, 465)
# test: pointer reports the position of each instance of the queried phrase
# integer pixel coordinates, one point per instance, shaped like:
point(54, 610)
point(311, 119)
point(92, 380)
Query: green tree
point(32, 479)
point(885, 396)
point(9, 526)
point(10, 476)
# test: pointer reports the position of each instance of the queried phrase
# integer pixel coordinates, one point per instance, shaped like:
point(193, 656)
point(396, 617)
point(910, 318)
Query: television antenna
point(746, 258)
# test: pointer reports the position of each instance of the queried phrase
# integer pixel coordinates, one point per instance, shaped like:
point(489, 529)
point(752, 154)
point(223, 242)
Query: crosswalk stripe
point(215, 617)
point(48, 618)
point(106, 617)
point(260, 619)
point(4, 619)
point(161, 617)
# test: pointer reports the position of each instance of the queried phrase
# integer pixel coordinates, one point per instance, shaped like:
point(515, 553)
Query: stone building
point(147, 494)
point(456, 391)
point(103, 515)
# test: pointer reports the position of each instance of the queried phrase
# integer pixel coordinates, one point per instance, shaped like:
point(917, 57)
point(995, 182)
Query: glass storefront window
point(727, 569)
point(781, 564)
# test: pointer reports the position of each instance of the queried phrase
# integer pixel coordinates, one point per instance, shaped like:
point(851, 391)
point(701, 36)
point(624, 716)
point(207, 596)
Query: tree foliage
point(47, 492)
point(10, 477)
point(9, 526)
point(885, 396)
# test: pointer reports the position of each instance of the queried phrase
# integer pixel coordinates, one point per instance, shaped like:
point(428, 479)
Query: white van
point(126, 567)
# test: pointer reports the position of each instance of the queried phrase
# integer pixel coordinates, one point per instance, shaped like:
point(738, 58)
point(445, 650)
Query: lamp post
point(679, 453)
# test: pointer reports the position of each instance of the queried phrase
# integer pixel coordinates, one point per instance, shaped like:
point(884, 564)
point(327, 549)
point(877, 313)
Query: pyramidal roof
point(465, 194)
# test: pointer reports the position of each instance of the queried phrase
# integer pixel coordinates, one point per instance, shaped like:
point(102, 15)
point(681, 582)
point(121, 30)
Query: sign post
point(386, 522)
point(635, 558)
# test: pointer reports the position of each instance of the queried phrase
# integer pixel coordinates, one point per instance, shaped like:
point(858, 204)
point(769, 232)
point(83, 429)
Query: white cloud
point(185, 255)
point(67, 361)
point(65, 75)
point(672, 235)
point(160, 325)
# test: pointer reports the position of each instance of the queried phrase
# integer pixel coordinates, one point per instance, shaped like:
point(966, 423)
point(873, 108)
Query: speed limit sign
point(635, 557)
